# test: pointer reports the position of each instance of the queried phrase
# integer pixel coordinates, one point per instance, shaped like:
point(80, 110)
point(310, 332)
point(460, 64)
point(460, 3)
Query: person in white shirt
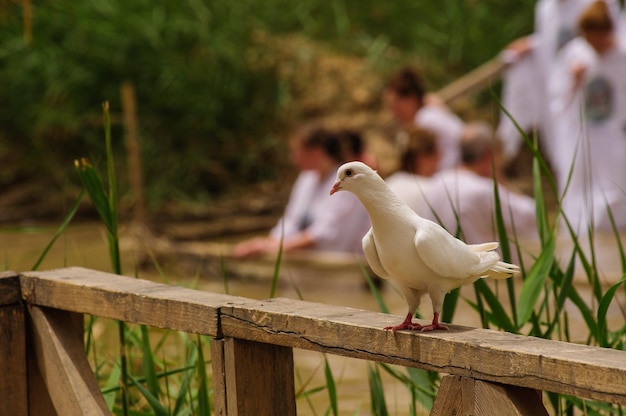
point(405, 96)
point(463, 201)
point(419, 161)
point(589, 107)
point(312, 219)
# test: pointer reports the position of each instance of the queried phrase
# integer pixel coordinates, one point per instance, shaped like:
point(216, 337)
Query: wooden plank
point(13, 379)
point(579, 370)
point(9, 288)
point(473, 81)
point(259, 380)
point(465, 396)
point(58, 343)
point(126, 299)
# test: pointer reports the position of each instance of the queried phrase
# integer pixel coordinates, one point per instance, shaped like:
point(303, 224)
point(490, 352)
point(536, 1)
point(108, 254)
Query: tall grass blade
point(603, 308)
point(374, 289)
point(149, 367)
point(535, 281)
point(60, 230)
point(563, 283)
point(377, 393)
point(279, 260)
point(110, 388)
point(153, 401)
point(204, 403)
point(331, 387)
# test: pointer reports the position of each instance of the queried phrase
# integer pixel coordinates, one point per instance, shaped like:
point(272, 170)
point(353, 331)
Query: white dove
point(418, 255)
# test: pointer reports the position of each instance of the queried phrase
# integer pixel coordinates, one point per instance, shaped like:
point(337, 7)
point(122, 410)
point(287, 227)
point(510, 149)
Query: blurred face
point(427, 164)
point(600, 40)
point(402, 108)
point(304, 158)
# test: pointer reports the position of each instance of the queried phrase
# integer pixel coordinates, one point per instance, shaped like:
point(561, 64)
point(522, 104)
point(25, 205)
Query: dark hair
point(596, 18)
point(351, 143)
point(407, 83)
point(328, 141)
point(418, 142)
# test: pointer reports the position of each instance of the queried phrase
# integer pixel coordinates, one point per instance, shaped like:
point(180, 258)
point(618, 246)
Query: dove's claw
point(434, 325)
point(403, 325)
point(407, 324)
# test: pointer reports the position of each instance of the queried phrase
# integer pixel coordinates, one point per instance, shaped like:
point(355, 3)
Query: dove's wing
point(371, 255)
point(448, 256)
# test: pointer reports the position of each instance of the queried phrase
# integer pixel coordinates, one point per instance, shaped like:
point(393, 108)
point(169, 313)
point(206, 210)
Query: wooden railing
point(44, 370)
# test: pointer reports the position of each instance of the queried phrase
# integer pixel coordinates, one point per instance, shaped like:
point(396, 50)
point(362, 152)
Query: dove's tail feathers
point(502, 270)
point(483, 247)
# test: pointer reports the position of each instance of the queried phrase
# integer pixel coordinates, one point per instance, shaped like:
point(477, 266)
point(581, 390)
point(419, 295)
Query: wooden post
point(57, 338)
point(13, 373)
point(469, 397)
point(252, 378)
point(135, 170)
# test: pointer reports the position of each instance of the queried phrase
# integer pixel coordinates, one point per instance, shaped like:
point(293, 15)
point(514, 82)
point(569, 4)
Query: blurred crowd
point(565, 85)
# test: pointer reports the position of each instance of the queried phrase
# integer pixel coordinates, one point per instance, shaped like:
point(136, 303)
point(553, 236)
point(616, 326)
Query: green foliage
point(210, 97)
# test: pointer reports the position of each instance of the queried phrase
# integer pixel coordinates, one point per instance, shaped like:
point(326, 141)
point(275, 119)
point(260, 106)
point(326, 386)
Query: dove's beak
point(336, 187)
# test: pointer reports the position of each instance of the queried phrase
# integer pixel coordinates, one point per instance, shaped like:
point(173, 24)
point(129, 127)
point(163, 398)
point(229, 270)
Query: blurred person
point(407, 100)
point(419, 160)
point(531, 61)
point(463, 199)
point(588, 103)
point(312, 219)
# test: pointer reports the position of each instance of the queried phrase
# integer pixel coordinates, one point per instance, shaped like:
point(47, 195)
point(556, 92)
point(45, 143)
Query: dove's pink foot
point(407, 324)
point(434, 325)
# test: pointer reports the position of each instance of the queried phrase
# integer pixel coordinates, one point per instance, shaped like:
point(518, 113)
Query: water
point(85, 245)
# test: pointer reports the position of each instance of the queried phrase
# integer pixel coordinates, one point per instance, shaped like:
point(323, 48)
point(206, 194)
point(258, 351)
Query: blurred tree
point(210, 98)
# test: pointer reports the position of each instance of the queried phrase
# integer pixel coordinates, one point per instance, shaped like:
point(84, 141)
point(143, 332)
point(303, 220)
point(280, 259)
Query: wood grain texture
point(58, 344)
point(579, 370)
point(468, 397)
point(126, 299)
point(13, 370)
point(220, 402)
point(10, 288)
point(260, 378)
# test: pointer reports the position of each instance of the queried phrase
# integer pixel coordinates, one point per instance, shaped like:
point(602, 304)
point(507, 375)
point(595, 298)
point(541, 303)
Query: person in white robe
point(530, 62)
point(588, 102)
point(463, 199)
point(312, 219)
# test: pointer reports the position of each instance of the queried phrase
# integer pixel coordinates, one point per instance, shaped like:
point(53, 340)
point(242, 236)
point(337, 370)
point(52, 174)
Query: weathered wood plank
point(219, 377)
point(449, 401)
point(13, 373)
point(126, 299)
point(468, 397)
point(260, 379)
point(579, 370)
point(58, 343)
point(9, 288)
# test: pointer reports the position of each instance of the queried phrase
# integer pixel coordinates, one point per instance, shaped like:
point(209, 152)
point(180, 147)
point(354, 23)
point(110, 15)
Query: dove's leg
point(434, 325)
point(437, 299)
point(413, 298)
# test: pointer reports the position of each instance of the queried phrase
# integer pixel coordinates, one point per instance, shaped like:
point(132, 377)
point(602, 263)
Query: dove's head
point(349, 175)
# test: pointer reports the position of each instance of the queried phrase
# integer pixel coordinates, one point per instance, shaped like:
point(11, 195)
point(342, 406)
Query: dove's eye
point(349, 172)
